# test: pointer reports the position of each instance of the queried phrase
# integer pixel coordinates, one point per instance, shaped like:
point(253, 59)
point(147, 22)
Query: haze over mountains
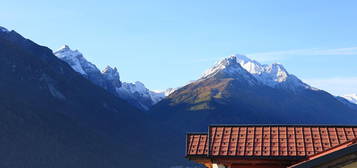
point(59, 110)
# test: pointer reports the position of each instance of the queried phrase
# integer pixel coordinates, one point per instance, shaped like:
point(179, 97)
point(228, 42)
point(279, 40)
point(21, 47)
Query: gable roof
point(273, 141)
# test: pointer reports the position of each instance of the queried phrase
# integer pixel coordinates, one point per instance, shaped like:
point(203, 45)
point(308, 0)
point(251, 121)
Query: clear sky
point(168, 43)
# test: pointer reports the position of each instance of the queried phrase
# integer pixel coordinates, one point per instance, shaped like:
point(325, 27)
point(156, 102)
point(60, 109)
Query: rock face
point(50, 116)
point(135, 93)
point(76, 60)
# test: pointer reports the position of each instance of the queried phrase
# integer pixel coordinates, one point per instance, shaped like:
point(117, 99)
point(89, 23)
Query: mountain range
point(135, 93)
point(57, 109)
point(274, 75)
point(240, 90)
point(52, 116)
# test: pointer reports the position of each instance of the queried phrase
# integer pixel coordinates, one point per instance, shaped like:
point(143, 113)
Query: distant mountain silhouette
point(135, 94)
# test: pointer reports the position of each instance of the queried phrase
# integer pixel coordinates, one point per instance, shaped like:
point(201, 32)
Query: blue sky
point(168, 43)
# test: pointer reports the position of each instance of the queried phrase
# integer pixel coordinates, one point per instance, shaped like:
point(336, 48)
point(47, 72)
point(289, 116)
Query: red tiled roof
point(197, 144)
point(318, 158)
point(268, 141)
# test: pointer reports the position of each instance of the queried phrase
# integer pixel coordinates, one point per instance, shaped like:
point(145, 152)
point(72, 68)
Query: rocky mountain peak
point(274, 75)
point(76, 60)
point(277, 72)
point(109, 79)
point(66, 51)
point(64, 47)
point(250, 65)
point(111, 73)
point(227, 67)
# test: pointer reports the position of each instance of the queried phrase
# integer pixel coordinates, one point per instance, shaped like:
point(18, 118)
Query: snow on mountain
point(159, 95)
point(140, 88)
point(168, 91)
point(229, 67)
point(139, 93)
point(351, 97)
point(274, 75)
point(251, 66)
point(75, 59)
point(80, 64)
point(111, 75)
point(109, 79)
point(3, 29)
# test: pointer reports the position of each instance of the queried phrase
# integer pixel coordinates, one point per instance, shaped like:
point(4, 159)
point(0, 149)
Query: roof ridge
point(281, 125)
point(197, 133)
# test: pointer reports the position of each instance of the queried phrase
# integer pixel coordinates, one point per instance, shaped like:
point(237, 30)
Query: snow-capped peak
point(351, 98)
point(109, 69)
point(271, 75)
point(109, 79)
point(229, 66)
point(250, 65)
point(276, 72)
point(110, 73)
point(74, 58)
point(65, 51)
point(111, 76)
point(64, 47)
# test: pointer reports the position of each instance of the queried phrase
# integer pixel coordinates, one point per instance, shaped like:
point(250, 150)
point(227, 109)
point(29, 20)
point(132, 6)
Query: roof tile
point(268, 140)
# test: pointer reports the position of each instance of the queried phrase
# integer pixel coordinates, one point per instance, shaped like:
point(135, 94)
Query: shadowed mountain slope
point(51, 116)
